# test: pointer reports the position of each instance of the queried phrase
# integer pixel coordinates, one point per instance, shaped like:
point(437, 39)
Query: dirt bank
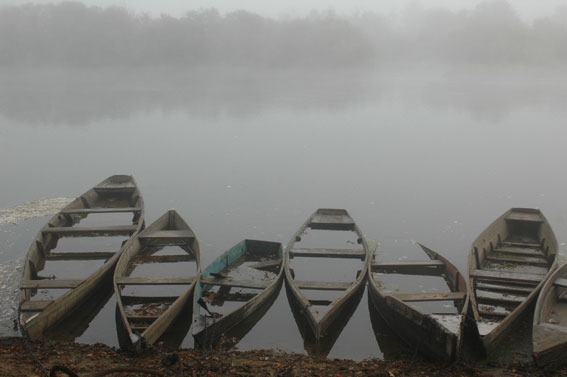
point(99, 360)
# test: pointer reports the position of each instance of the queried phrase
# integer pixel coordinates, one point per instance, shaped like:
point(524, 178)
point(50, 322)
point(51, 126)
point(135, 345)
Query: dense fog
point(75, 35)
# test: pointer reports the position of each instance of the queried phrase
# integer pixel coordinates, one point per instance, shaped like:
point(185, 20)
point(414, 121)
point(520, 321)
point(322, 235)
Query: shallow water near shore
point(412, 159)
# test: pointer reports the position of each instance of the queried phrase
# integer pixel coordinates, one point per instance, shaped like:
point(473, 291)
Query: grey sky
point(527, 9)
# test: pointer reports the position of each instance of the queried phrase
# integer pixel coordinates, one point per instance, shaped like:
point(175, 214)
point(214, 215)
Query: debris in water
point(30, 210)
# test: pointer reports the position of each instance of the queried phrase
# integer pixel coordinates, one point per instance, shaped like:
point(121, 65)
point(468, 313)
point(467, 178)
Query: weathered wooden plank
point(71, 231)
point(34, 306)
point(136, 300)
point(430, 267)
point(322, 285)
point(50, 284)
point(445, 296)
point(521, 251)
point(79, 256)
point(524, 216)
point(500, 288)
point(234, 297)
point(252, 284)
point(522, 244)
point(164, 258)
point(86, 211)
point(504, 258)
point(502, 300)
point(168, 237)
point(142, 317)
point(331, 220)
point(560, 282)
point(270, 265)
point(327, 253)
point(493, 314)
point(320, 302)
point(509, 277)
point(154, 281)
point(115, 187)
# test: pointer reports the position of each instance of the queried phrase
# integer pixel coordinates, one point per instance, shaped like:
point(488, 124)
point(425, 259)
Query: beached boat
point(150, 296)
point(234, 291)
point(508, 265)
point(46, 300)
point(549, 335)
point(321, 314)
point(437, 335)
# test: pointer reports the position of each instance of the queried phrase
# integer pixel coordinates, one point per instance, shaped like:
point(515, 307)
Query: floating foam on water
point(30, 210)
point(10, 273)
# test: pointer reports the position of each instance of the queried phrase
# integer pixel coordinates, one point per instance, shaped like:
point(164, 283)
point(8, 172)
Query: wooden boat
point(508, 265)
point(438, 335)
point(321, 315)
point(249, 274)
point(116, 194)
point(143, 314)
point(549, 335)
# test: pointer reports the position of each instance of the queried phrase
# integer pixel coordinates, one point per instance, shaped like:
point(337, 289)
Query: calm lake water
point(244, 155)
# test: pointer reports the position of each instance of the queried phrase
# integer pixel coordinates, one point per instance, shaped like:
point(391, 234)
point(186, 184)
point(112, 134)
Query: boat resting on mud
point(115, 195)
point(437, 336)
point(142, 314)
point(249, 276)
point(321, 315)
point(508, 265)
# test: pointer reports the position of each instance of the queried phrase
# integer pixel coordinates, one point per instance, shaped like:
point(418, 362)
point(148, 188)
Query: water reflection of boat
point(435, 335)
point(147, 305)
point(508, 264)
point(549, 333)
point(319, 319)
point(117, 194)
point(390, 344)
point(243, 282)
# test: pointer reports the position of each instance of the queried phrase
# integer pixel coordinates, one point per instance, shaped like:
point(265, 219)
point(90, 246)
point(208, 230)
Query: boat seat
point(164, 258)
point(322, 285)
point(493, 314)
point(34, 306)
point(500, 288)
point(50, 284)
point(142, 317)
point(252, 284)
point(81, 211)
point(320, 302)
point(522, 244)
point(532, 261)
point(233, 297)
point(137, 300)
point(521, 251)
point(414, 297)
point(80, 256)
point(508, 277)
point(74, 231)
point(332, 221)
point(154, 281)
point(500, 301)
point(524, 216)
point(327, 253)
point(270, 265)
point(115, 187)
point(430, 267)
point(167, 237)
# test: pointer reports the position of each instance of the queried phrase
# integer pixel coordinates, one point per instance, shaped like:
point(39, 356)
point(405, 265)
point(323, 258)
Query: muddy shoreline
point(101, 360)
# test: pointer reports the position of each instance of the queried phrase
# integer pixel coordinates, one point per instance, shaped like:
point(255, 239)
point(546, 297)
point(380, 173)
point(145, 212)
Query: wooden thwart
point(522, 244)
point(167, 236)
point(154, 281)
point(509, 277)
point(80, 256)
point(413, 297)
point(34, 306)
point(142, 317)
point(327, 253)
point(486, 313)
point(532, 261)
point(320, 302)
point(499, 288)
point(271, 265)
point(560, 282)
point(136, 300)
point(430, 267)
point(331, 221)
point(49, 284)
point(503, 300)
point(253, 284)
point(522, 216)
point(521, 251)
point(323, 285)
point(164, 258)
point(119, 230)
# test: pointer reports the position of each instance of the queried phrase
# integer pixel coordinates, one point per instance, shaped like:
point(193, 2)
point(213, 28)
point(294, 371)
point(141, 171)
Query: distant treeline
point(72, 34)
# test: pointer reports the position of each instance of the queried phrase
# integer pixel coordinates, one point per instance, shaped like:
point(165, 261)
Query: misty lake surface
point(252, 155)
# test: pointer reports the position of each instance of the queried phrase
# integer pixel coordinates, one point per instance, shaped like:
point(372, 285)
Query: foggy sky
point(528, 10)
